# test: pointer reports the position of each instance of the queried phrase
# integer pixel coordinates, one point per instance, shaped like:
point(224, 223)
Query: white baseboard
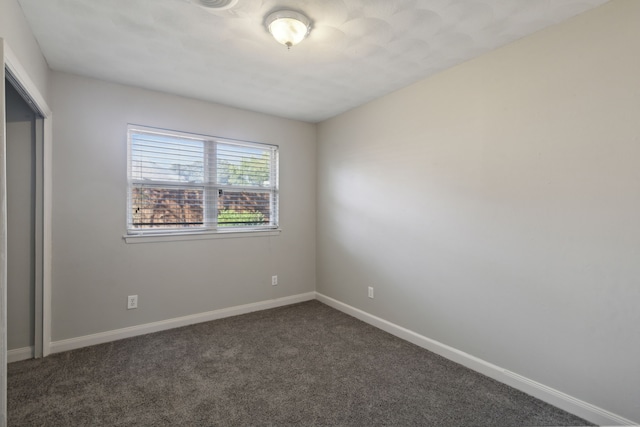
point(556, 398)
point(19, 354)
point(118, 334)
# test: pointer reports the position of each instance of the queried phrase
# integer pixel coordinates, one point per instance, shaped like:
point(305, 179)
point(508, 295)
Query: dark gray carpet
point(304, 364)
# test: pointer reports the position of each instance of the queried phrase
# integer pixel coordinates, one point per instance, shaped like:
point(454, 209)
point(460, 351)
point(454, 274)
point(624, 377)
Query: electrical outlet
point(132, 302)
point(370, 292)
point(274, 280)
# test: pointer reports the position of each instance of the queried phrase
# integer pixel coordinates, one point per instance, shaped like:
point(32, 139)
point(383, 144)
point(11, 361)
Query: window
point(180, 182)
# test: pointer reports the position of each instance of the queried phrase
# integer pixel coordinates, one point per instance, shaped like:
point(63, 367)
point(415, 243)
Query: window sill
point(205, 235)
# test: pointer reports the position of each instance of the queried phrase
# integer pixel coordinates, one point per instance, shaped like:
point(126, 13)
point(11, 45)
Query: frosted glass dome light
point(288, 27)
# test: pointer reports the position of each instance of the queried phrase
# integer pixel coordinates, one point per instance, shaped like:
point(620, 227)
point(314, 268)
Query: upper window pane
point(244, 166)
point(164, 158)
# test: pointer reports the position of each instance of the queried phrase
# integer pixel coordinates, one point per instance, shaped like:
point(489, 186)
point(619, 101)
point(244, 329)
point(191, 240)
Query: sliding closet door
point(20, 140)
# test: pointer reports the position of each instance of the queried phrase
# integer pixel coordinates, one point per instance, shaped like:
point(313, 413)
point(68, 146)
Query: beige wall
point(94, 269)
point(495, 206)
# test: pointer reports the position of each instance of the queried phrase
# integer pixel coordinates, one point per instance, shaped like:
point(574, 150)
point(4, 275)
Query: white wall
point(94, 269)
point(18, 36)
point(495, 207)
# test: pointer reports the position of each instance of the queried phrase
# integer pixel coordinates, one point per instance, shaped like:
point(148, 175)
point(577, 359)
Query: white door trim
point(3, 253)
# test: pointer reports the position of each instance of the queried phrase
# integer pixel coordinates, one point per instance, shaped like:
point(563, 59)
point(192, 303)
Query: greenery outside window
point(180, 182)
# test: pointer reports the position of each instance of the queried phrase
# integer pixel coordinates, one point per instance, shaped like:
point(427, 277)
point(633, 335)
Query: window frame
point(210, 186)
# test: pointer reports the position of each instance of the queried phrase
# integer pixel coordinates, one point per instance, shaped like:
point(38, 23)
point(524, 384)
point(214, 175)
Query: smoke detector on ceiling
point(216, 4)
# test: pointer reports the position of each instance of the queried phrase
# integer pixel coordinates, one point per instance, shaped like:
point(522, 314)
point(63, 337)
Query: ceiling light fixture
point(288, 27)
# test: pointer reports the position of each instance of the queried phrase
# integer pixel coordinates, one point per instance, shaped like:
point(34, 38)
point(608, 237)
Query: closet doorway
point(24, 177)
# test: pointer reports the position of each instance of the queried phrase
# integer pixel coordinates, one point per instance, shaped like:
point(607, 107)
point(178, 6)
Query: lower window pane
point(243, 208)
point(166, 207)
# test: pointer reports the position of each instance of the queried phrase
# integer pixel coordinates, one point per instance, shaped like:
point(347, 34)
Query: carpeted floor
point(304, 364)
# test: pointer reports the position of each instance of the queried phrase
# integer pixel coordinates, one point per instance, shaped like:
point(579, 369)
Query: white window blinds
point(181, 182)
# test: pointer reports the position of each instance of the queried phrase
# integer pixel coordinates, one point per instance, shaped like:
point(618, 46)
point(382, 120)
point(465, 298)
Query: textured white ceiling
point(358, 50)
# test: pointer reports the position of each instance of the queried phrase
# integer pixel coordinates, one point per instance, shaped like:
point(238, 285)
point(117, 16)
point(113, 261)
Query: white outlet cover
point(132, 302)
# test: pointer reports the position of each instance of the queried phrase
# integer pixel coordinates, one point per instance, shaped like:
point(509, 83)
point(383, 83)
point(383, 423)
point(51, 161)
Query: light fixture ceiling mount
point(216, 4)
point(288, 27)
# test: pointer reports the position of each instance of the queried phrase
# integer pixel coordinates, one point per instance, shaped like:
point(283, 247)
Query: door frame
point(42, 342)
